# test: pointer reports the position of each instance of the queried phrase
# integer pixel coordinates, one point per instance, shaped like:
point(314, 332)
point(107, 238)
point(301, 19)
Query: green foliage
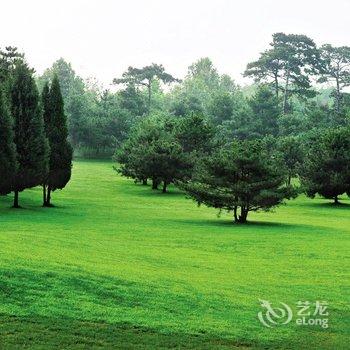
point(60, 161)
point(291, 152)
point(244, 175)
point(221, 108)
point(287, 66)
point(153, 152)
point(7, 147)
point(336, 68)
point(29, 135)
point(8, 59)
point(326, 168)
point(145, 77)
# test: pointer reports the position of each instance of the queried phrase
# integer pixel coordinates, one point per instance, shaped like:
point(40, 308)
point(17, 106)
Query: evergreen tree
point(7, 147)
point(244, 177)
point(326, 168)
point(153, 152)
point(60, 160)
point(31, 143)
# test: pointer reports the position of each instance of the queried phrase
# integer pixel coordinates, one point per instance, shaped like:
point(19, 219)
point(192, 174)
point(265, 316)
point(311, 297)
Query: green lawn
point(117, 265)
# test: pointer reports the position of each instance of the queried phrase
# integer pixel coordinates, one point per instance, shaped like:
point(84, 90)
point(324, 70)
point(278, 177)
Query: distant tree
point(336, 68)
point(7, 147)
point(204, 71)
point(60, 160)
point(145, 77)
point(326, 168)
point(195, 134)
point(287, 66)
point(77, 103)
point(243, 177)
point(8, 58)
point(153, 152)
point(291, 151)
point(70, 82)
point(132, 101)
point(265, 112)
point(29, 134)
point(221, 107)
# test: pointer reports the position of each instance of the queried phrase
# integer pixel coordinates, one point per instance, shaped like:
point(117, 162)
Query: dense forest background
point(100, 120)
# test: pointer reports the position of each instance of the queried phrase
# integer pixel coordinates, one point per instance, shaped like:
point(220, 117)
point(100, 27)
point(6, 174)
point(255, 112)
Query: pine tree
point(31, 143)
point(7, 147)
point(326, 168)
point(242, 177)
point(60, 161)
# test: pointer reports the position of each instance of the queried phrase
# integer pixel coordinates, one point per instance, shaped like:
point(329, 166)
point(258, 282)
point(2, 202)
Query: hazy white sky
point(101, 38)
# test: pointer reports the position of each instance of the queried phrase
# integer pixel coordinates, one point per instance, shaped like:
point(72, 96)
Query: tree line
point(240, 152)
point(34, 149)
point(230, 147)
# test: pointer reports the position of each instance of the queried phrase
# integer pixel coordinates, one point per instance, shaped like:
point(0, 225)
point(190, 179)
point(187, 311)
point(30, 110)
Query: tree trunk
point(336, 200)
point(149, 95)
point(44, 195)
point(15, 200)
point(289, 181)
point(144, 182)
point(243, 217)
point(155, 184)
point(285, 99)
point(235, 214)
point(337, 98)
point(276, 86)
point(48, 197)
point(164, 186)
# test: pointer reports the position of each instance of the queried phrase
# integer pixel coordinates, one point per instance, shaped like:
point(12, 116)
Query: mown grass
point(117, 265)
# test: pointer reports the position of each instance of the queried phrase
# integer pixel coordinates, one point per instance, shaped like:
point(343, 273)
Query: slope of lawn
point(117, 265)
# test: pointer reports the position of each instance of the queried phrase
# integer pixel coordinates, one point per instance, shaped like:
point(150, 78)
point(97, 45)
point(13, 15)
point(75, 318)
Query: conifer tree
point(60, 160)
point(7, 147)
point(326, 168)
point(241, 178)
point(31, 143)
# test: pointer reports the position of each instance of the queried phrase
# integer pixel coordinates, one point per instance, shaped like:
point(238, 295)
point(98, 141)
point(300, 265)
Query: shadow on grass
point(233, 225)
point(147, 191)
point(23, 288)
point(64, 333)
point(343, 205)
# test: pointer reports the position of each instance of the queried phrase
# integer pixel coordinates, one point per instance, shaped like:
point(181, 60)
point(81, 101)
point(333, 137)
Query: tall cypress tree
point(31, 143)
point(60, 161)
point(7, 147)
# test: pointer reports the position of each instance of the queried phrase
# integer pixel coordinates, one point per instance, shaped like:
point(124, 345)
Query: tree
point(292, 154)
point(132, 101)
point(76, 102)
point(195, 133)
point(29, 135)
point(326, 168)
point(60, 160)
point(336, 68)
point(153, 152)
point(265, 112)
point(8, 58)
point(221, 107)
point(242, 177)
point(145, 77)
point(200, 87)
point(287, 66)
point(7, 147)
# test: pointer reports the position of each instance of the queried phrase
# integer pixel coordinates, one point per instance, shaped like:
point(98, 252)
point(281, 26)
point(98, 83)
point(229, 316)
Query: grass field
point(117, 265)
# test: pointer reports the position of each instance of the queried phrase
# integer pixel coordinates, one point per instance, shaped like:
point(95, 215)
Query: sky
point(101, 38)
